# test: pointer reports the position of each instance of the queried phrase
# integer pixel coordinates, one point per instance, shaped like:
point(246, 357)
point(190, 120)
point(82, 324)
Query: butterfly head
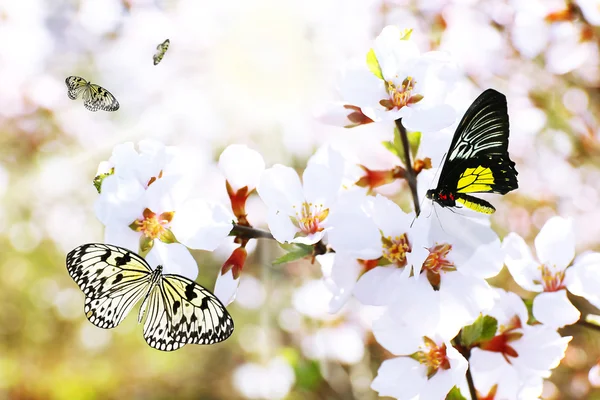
point(443, 197)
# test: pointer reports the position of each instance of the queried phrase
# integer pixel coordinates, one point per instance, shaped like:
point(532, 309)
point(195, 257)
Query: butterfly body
point(94, 96)
point(478, 160)
point(178, 311)
point(161, 50)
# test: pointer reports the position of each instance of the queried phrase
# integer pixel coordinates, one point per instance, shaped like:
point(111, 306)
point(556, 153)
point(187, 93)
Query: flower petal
point(583, 278)
point(175, 259)
point(555, 244)
point(241, 166)
point(226, 287)
point(519, 261)
point(280, 189)
point(554, 309)
point(377, 286)
point(201, 225)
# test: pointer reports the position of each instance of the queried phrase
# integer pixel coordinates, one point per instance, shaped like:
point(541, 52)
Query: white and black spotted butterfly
point(94, 97)
point(179, 311)
point(161, 50)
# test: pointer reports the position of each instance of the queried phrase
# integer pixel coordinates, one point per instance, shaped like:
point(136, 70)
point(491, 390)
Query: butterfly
point(478, 160)
point(179, 310)
point(162, 49)
point(94, 97)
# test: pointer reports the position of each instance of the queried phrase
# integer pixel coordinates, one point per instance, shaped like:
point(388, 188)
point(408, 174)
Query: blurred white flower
point(241, 166)
point(400, 82)
point(342, 343)
point(555, 248)
point(298, 212)
point(520, 354)
point(427, 370)
point(594, 375)
point(272, 381)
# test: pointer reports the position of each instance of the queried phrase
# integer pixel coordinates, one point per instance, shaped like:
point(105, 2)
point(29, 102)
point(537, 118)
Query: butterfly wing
point(197, 316)
point(112, 278)
point(158, 325)
point(98, 98)
point(75, 86)
point(478, 159)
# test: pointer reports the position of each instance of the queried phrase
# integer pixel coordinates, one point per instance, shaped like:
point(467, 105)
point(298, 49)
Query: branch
point(250, 233)
point(583, 322)
point(466, 353)
point(411, 177)
point(471, 384)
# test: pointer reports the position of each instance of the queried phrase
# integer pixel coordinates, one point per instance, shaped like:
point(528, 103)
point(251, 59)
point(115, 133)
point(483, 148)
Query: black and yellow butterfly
point(179, 310)
point(478, 160)
point(162, 49)
point(94, 97)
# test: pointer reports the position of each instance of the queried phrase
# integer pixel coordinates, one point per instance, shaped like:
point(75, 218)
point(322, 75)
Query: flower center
point(395, 249)
point(402, 95)
point(437, 260)
point(433, 357)
point(552, 280)
point(310, 217)
point(152, 226)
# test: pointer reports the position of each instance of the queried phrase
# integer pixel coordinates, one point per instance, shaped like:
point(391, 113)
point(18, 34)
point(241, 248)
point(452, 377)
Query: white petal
point(120, 202)
point(226, 287)
point(201, 225)
point(165, 195)
point(122, 236)
point(340, 274)
point(540, 349)
point(463, 298)
point(400, 377)
point(353, 231)
point(554, 309)
point(555, 244)
point(241, 166)
point(396, 336)
point(377, 286)
point(440, 384)
point(175, 259)
point(359, 87)
point(389, 217)
point(430, 120)
point(519, 261)
point(320, 184)
point(583, 278)
point(281, 227)
point(280, 189)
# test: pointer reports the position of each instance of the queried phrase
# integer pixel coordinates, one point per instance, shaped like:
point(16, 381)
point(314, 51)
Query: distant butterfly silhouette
point(94, 97)
point(162, 49)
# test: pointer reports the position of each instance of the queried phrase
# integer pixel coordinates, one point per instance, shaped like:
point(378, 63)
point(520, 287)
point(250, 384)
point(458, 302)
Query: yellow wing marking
point(478, 179)
point(476, 207)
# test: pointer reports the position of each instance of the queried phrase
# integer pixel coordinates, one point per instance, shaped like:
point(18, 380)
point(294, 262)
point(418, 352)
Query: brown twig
point(411, 177)
point(250, 233)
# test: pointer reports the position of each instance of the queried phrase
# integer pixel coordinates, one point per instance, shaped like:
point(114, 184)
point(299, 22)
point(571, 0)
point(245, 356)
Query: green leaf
point(373, 64)
point(99, 178)
point(414, 140)
point(391, 147)
point(295, 252)
point(455, 394)
point(484, 328)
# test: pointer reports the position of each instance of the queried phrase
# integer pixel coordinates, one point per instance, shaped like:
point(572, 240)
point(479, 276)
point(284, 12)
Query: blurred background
point(255, 72)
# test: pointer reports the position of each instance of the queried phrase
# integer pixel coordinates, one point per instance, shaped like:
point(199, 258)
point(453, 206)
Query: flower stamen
point(395, 249)
point(552, 281)
point(153, 226)
point(310, 218)
point(433, 357)
point(400, 96)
